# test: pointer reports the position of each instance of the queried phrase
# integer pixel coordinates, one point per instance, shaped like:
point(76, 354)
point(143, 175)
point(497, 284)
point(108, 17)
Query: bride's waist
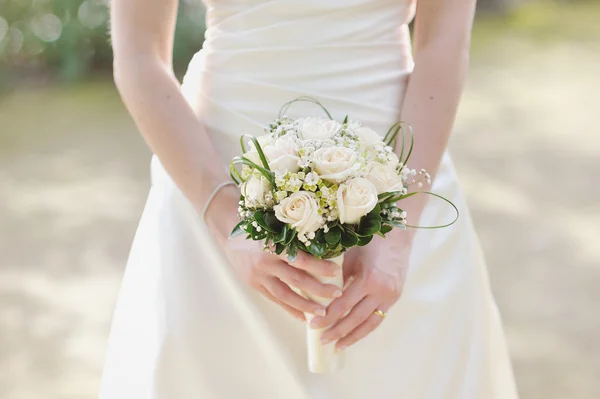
point(316, 61)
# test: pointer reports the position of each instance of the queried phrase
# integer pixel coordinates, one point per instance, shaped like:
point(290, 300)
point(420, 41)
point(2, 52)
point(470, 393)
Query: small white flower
point(312, 178)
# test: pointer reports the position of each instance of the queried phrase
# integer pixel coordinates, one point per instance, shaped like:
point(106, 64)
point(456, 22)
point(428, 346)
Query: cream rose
point(300, 210)
point(264, 140)
point(368, 136)
point(335, 163)
point(385, 178)
point(282, 155)
point(318, 129)
point(355, 199)
point(254, 191)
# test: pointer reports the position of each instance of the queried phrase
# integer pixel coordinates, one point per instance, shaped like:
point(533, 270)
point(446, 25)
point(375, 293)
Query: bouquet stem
point(323, 359)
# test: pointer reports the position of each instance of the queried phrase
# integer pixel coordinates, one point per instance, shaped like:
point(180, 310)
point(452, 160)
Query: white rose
point(254, 191)
point(368, 136)
point(300, 210)
point(385, 178)
point(282, 155)
point(335, 163)
point(318, 129)
point(355, 199)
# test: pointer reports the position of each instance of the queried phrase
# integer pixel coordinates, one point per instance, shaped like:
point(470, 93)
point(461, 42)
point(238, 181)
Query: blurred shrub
point(70, 38)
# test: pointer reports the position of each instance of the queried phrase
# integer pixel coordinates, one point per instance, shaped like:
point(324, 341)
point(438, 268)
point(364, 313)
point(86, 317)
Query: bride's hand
point(375, 277)
point(270, 274)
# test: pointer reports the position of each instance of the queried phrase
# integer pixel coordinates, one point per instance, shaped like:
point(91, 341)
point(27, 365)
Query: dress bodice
point(353, 55)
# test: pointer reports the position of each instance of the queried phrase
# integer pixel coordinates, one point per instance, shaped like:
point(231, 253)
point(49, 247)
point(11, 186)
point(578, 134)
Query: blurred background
point(74, 176)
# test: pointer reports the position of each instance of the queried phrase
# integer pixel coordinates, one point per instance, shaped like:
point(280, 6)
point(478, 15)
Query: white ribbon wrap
point(323, 359)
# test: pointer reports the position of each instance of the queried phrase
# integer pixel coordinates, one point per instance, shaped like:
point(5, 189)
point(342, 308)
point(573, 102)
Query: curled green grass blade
point(270, 176)
point(285, 107)
point(440, 226)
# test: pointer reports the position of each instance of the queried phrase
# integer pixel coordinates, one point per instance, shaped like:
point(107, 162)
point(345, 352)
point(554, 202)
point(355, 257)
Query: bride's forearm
point(170, 127)
point(430, 105)
point(442, 41)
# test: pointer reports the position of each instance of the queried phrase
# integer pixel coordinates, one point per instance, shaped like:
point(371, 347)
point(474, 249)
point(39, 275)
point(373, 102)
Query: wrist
point(221, 213)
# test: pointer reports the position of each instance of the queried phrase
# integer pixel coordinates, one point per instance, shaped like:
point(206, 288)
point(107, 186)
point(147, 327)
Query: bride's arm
point(142, 37)
point(142, 32)
point(377, 271)
point(441, 52)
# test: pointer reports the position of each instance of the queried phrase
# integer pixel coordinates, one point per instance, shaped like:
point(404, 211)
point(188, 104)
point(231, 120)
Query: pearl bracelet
point(214, 194)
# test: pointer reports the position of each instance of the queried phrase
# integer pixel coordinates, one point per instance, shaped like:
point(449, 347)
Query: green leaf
point(368, 227)
point(238, 229)
point(370, 223)
point(268, 238)
point(386, 228)
point(259, 216)
point(320, 237)
point(279, 237)
point(334, 252)
point(396, 224)
point(272, 222)
point(362, 241)
point(291, 234)
point(316, 248)
point(292, 251)
point(333, 236)
point(349, 238)
point(279, 248)
point(345, 120)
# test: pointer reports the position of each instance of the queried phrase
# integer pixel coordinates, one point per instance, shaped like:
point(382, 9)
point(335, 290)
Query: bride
point(202, 316)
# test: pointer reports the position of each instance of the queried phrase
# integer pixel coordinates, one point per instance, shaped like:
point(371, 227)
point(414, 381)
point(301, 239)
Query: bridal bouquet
point(322, 186)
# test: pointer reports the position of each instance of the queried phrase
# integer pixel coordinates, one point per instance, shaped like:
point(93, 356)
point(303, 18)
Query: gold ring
point(380, 313)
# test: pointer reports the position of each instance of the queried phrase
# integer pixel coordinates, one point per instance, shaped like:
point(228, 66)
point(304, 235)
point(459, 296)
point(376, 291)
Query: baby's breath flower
point(280, 195)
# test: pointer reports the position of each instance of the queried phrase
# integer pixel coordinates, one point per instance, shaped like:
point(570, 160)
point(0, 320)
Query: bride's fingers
point(358, 315)
point(341, 306)
point(360, 332)
point(317, 267)
point(284, 293)
point(295, 313)
point(303, 281)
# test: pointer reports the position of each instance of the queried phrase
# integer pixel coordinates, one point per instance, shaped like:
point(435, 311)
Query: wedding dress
point(186, 328)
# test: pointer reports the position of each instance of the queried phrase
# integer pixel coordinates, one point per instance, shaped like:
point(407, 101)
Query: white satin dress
point(186, 328)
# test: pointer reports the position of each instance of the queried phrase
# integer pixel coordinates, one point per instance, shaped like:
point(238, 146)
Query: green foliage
point(70, 38)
